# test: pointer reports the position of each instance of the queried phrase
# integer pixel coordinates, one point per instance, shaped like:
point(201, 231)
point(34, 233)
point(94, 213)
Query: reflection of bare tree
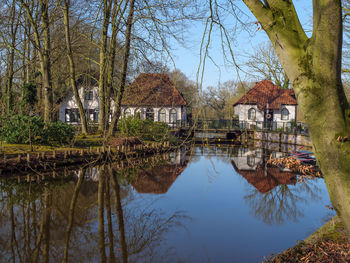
point(71, 214)
point(120, 215)
point(100, 215)
point(72, 221)
point(282, 203)
point(141, 228)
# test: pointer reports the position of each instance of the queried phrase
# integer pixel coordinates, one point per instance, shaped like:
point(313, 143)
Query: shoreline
point(327, 244)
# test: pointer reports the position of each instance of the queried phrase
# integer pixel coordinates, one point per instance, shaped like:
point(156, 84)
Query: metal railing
point(230, 125)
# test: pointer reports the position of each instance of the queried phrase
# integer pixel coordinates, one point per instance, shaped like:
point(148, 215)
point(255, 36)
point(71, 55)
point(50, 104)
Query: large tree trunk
point(120, 91)
point(65, 10)
point(102, 118)
point(313, 66)
point(117, 15)
point(11, 57)
point(46, 61)
point(43, 51)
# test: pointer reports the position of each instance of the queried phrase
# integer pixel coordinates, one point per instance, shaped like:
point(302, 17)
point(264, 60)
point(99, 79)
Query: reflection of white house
point(150, 96)
point(267, 104)
point(249, 160)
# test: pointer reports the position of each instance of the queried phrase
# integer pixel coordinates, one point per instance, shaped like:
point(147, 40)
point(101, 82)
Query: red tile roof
point(266, 93)
point(152, 90)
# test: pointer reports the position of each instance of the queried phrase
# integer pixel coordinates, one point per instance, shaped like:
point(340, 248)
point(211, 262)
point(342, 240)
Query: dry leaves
point(306, 171)
point(322, 252)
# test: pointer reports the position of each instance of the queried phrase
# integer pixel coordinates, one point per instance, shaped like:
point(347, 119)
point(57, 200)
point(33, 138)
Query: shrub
point(145, 129)
point(23, 129)
point(59, 133)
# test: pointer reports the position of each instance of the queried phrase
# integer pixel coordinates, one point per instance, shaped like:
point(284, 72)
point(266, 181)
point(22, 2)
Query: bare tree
point(65, 9)
point(264, 63)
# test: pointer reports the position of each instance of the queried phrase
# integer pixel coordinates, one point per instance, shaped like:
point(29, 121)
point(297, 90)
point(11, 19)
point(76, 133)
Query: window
point(127, 113)
point(251, 114)
point(251, 160)
point(139, 113)
point(72, 115)
point(88, 95)
point(92, 115)
point(162, 115)
point(149, 114)
point(285, 114)
point(173, 116)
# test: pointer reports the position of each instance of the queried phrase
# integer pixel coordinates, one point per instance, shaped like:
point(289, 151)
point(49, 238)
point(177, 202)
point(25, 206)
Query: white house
point(69, 112)
point(150, 96)
point(154, 96)
point(266, 105)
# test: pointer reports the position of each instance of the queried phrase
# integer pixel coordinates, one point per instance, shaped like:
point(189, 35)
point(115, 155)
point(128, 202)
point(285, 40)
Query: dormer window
point(285, 114)
point(251, 114)
point(89, 95)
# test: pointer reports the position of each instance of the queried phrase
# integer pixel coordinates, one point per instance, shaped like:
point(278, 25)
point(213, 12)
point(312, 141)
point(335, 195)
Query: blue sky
point(187, 59)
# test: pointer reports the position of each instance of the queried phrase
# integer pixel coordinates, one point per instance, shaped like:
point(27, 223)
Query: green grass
point(79, 142)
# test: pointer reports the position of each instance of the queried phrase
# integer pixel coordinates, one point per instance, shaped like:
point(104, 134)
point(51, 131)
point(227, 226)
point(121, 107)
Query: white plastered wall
point(70, 102)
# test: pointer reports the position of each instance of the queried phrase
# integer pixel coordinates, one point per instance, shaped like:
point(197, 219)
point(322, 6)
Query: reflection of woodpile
point(264, 180)
point(157, 180)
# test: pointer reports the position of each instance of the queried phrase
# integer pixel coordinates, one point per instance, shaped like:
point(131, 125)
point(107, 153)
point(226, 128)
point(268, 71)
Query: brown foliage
point(292, 163)
point(321, 252)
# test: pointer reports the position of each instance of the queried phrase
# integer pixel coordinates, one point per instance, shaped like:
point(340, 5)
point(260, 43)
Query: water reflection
point(132, 211)
point(87, 216)
point(158, 179)
point(275, 199)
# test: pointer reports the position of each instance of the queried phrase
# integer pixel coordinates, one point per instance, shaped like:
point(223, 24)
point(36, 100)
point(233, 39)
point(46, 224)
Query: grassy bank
point(327, 244)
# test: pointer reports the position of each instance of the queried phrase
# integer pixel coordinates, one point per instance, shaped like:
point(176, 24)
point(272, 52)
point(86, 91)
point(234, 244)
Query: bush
point(23, 129)
point(145, 129)
point(59, 133)
point(17, 128)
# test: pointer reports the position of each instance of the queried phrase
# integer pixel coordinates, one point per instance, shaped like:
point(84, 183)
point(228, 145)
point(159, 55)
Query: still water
point(207, 204)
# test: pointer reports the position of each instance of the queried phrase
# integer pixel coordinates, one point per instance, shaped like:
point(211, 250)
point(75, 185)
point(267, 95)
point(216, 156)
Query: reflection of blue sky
point(187, 59)
point(223, 227)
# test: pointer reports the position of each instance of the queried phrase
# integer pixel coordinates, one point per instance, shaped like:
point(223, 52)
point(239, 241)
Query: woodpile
point(306, 171)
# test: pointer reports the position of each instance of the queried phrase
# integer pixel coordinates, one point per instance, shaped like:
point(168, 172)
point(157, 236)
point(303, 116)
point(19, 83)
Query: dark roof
point(266, 93)
point(152, 89)
point(157, 180)
point(264, 180)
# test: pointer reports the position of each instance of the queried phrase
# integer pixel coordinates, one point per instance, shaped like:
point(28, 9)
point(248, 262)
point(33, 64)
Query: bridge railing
point(287, 127)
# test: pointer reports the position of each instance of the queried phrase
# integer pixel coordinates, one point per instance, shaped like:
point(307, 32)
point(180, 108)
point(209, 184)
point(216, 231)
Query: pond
point(208, 204)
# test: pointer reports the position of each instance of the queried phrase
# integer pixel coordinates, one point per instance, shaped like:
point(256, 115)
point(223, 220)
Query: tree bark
point(313, 66)
point(65, 10)
point(13, 26)
point(46, 60)
point(102, 118)
point(120, 91)
point(117, 15)
point(43, 52)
